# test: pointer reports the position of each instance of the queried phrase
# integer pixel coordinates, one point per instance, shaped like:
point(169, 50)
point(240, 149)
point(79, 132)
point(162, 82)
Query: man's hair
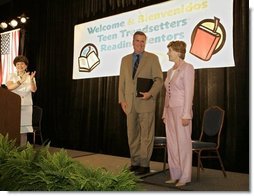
point(20, 58)
point(139, 33)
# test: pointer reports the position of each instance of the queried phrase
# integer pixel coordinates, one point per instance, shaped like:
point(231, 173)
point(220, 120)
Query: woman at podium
point(23, 83)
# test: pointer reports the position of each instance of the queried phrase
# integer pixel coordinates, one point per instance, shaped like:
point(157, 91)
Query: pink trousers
point(179, 145)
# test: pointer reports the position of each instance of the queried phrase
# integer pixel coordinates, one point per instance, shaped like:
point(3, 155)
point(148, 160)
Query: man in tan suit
point(140, 111)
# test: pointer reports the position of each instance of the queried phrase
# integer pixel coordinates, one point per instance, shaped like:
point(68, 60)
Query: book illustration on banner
point(143, 85)
point(208, 38)
point(89, 58)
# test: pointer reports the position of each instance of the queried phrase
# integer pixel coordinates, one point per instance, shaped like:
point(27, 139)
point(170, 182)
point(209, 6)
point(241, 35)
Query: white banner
point(205, 25)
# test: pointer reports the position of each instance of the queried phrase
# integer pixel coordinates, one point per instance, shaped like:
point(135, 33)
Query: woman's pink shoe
point(180, 184)
point(171, 181)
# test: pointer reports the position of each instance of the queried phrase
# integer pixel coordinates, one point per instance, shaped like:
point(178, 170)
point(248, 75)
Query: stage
point(210, 179)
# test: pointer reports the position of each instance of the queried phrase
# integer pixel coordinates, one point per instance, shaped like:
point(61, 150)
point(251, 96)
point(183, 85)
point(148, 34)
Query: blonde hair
point(178, 46)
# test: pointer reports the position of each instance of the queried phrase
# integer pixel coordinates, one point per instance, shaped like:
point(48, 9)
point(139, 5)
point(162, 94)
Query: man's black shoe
point(142, 170)
point(134, 168)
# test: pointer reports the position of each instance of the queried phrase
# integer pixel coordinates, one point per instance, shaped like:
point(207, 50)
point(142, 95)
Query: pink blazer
point(180, 89)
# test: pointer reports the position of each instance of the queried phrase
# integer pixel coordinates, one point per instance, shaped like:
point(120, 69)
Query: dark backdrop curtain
point(85, 114)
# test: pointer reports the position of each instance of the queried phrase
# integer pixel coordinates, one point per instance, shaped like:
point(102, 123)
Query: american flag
point(9, 50)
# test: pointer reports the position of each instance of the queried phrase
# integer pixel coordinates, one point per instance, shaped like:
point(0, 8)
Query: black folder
point(143, 85)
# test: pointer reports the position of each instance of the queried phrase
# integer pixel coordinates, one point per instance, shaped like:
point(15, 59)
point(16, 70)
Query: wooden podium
point(10, 111)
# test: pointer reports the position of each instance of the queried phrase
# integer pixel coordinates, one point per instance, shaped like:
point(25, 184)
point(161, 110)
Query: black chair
point(161, 143)
point(209, 140)
point(37, 117)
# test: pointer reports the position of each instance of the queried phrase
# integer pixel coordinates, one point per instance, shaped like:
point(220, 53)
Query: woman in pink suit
point(177, 114)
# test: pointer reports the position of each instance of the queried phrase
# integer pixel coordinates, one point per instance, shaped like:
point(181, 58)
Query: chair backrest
point(37, 116)
point(212, 123)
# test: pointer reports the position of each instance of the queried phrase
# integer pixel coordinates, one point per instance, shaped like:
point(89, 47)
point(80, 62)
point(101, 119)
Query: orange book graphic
point(205, 42)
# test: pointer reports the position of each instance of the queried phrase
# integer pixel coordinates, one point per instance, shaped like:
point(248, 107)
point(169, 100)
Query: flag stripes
point(9, 50)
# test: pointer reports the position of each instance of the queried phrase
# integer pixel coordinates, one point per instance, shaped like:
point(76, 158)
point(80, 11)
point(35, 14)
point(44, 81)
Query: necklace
point(21, 74)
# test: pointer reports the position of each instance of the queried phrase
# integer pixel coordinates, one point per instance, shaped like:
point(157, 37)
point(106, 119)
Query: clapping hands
point(32, 74)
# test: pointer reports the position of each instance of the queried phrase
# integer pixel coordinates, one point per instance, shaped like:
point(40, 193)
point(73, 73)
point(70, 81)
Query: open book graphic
point(89, 60)
point(205, 41)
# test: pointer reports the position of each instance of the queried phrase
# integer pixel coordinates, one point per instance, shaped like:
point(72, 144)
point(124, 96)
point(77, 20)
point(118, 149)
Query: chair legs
point(161, 143)
point(200, 165)
point(41, 137)
point(34, 136)
point(221, 164)
point(165, 159)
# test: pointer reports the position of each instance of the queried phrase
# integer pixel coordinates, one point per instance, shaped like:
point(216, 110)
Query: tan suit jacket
point(149, 67)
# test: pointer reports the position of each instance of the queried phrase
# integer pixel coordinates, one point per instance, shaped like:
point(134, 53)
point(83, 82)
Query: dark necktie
point(135, 67)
